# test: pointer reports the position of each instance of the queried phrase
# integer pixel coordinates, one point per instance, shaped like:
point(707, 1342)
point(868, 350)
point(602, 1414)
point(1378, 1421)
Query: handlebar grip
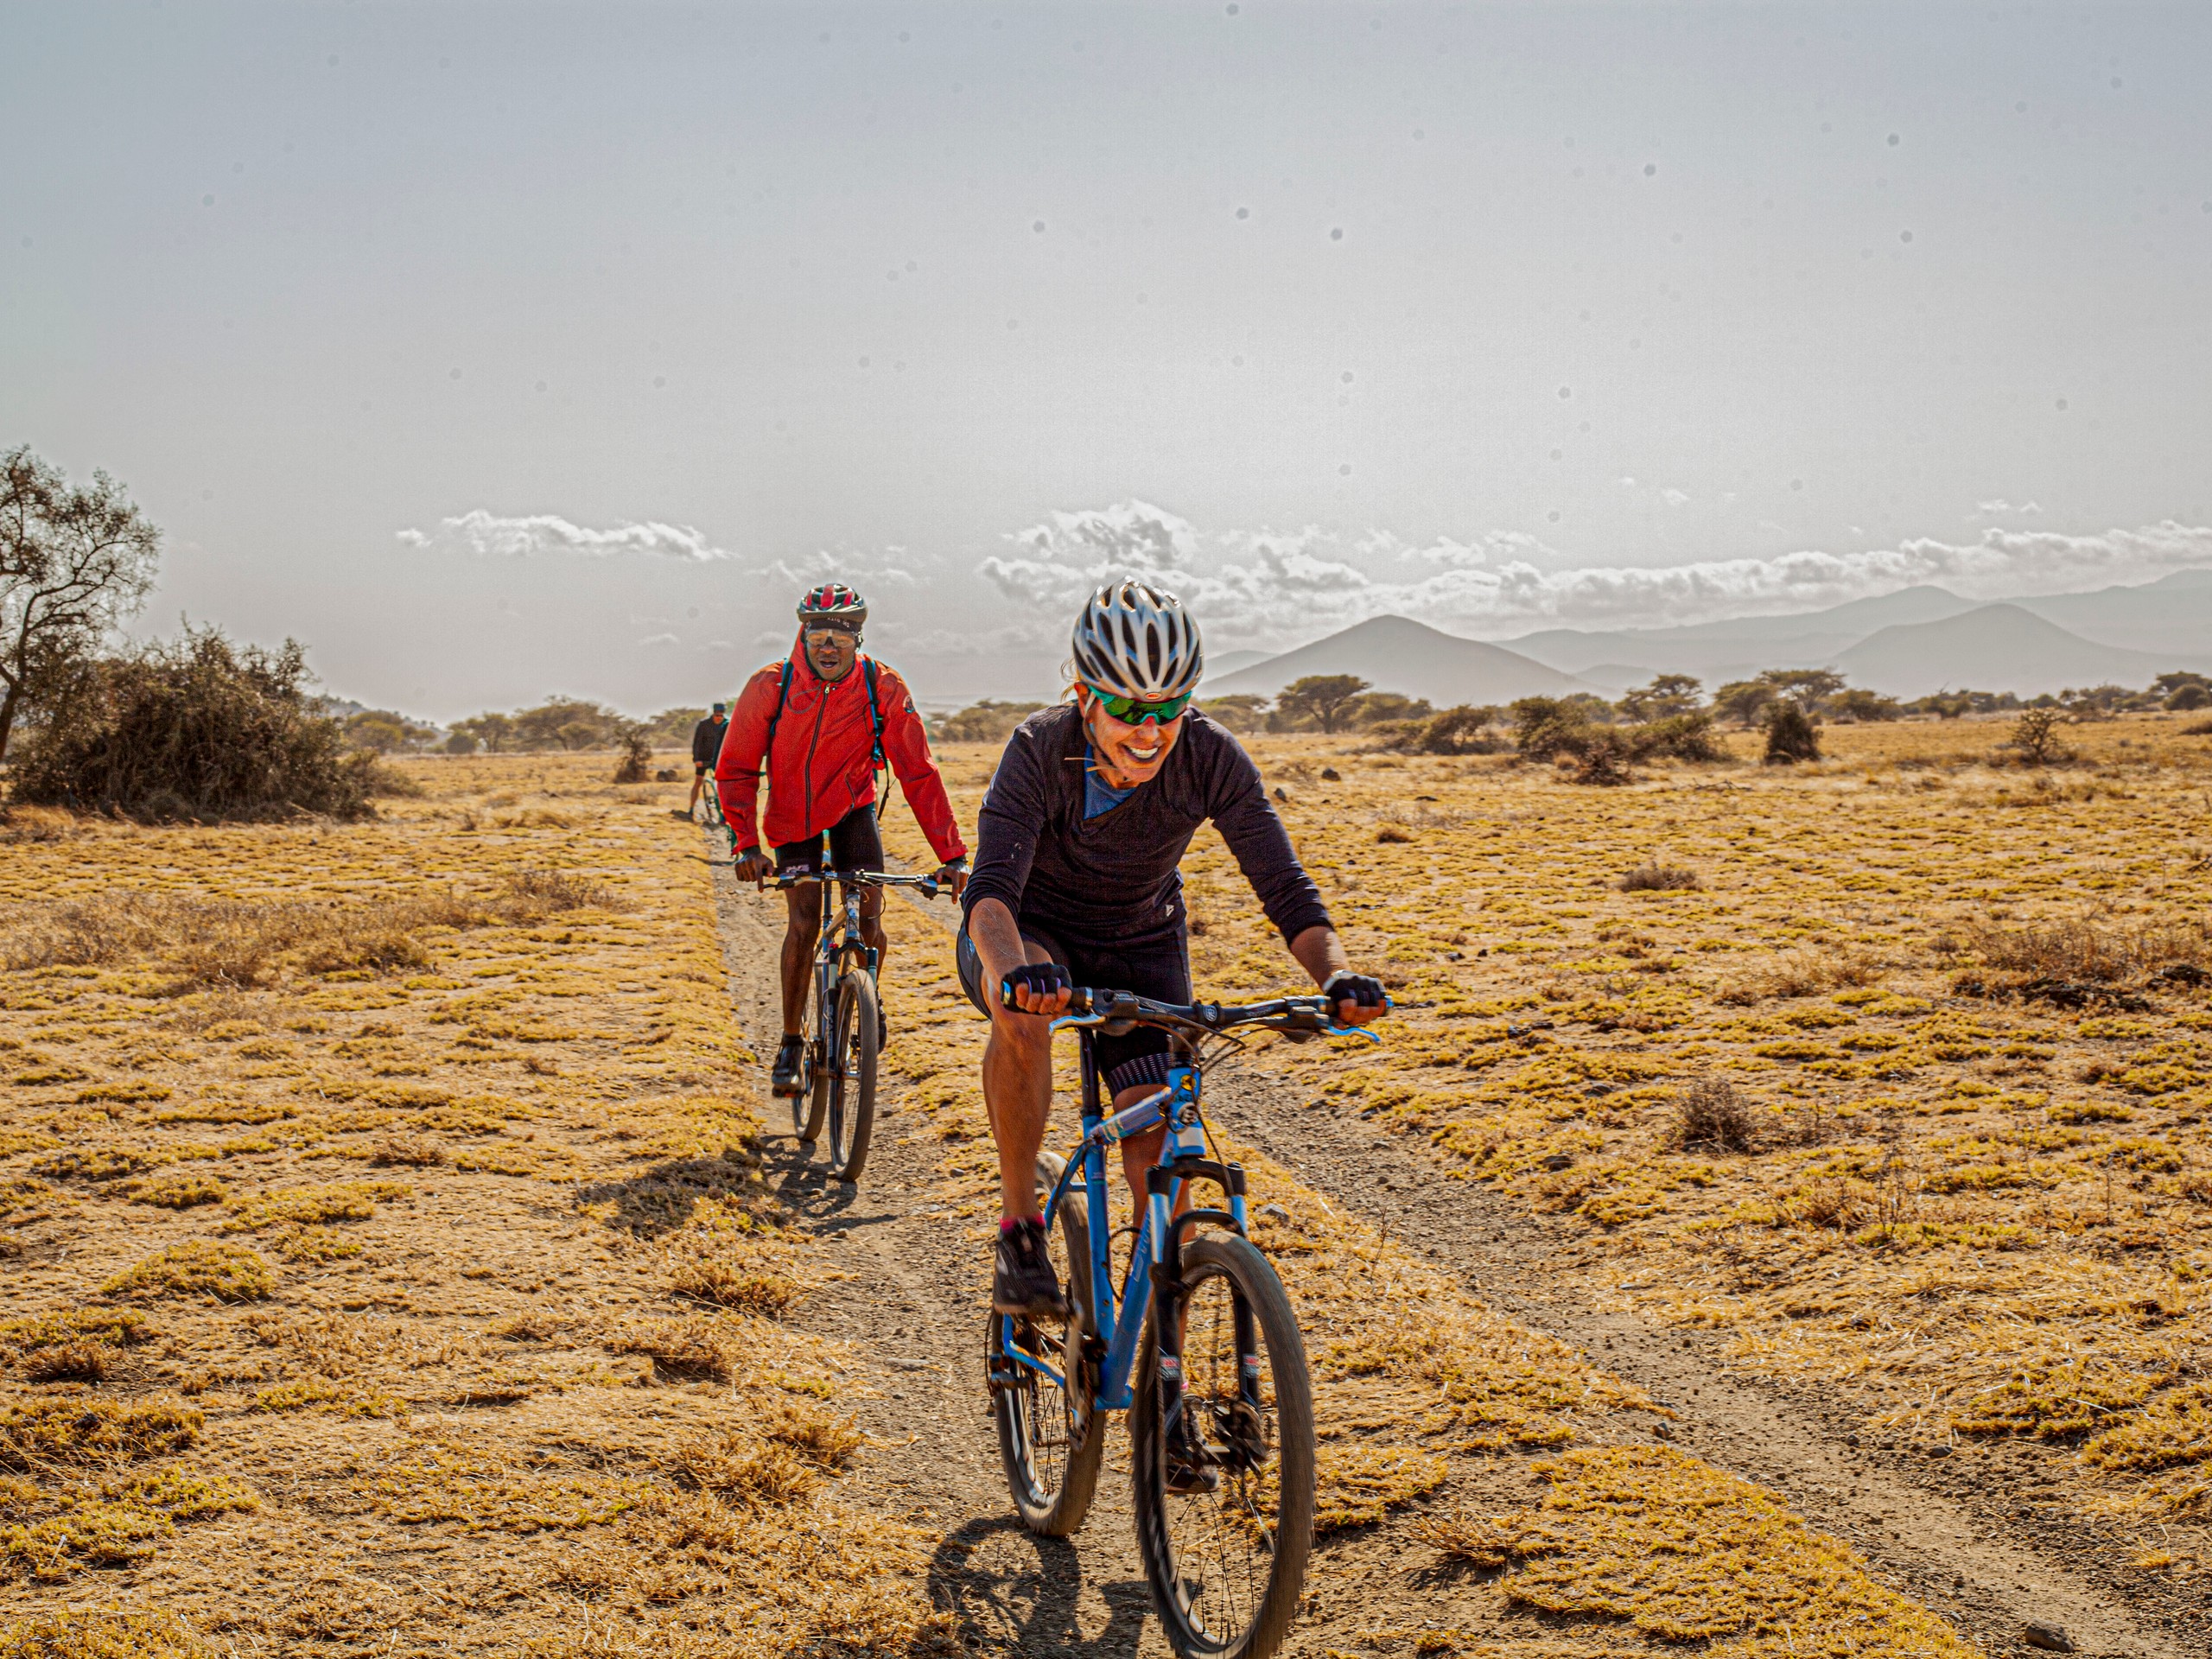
point(1079, 996)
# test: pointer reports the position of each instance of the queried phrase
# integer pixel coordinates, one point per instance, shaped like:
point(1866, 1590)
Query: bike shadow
point(1012, 1591)
point(802, 1182)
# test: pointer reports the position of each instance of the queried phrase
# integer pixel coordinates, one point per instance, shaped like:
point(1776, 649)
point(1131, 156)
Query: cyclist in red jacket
point(823, 731)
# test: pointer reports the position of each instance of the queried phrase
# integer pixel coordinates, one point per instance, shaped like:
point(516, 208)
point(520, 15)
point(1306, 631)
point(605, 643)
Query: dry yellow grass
point(397, 1178)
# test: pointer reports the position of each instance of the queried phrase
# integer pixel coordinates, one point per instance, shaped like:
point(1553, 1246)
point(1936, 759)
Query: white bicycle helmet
point(1135, 641)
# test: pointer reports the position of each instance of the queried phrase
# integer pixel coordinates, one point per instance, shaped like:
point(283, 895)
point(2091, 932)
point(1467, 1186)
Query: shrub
point(636, 767)
point(1660, 878)
point(1546, 727)
point(1375, 708)
point(2035, 738)
point(1602, 758)
point(558, 723)
point(200, 728)
point(1791, 736)
point(1860, 704)
point(1679, 737)
point(2077, 950)
point(1710, 1113)
point(1463, 729)
point(2189, 697)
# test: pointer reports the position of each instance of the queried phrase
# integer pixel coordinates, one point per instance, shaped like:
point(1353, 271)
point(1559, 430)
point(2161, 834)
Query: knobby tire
point(812, 1104)
point(1052, 1442)
point(852, 1058)
point(1227, 1569)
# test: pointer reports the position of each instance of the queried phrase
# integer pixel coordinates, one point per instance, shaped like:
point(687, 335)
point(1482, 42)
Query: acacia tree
point(1667, 696)
point(74, 561)
point(1742, 701)
point(1809, 688)
point(1325, 699)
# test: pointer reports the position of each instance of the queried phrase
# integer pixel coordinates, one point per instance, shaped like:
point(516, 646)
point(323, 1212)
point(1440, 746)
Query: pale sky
point(497, 350)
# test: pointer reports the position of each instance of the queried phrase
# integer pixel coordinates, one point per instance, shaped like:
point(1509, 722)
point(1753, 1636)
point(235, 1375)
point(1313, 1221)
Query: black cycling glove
point(1362, 989)
point(1042, 977)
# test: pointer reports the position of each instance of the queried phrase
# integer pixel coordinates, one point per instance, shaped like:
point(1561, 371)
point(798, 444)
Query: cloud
point(1268, 587)
point(488, 535)
point(660, 640)
point(1673, 498)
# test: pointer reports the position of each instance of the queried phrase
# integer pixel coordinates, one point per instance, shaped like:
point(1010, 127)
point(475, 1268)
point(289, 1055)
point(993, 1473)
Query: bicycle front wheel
point(852, 1074)
point(1227, 1565)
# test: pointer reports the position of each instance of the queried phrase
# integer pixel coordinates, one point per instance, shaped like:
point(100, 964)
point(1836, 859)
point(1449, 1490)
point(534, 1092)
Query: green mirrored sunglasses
point(1131, 712)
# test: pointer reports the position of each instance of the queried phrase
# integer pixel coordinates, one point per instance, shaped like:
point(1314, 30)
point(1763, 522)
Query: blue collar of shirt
point(1100, 797)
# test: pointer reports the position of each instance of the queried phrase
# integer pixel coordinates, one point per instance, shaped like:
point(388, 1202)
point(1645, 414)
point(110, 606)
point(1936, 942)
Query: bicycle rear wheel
point(1051, 1436)
point(813, 1100)
point(852, 1074)
point(1227, 1566)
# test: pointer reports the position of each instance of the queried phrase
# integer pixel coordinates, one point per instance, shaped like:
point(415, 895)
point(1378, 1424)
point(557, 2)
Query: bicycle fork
point(1185, 1159)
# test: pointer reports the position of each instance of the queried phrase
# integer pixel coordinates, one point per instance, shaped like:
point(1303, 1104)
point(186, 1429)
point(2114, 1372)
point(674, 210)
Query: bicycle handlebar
point(926, 885)
point(1307, 1016)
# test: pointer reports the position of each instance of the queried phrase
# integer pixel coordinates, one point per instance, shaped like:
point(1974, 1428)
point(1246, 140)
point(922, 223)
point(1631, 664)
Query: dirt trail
point(1956, 1534)
point(915, 1295)
point(1953, 1534)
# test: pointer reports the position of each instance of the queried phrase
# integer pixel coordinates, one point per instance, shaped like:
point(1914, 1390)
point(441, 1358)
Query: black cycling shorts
point(854, 845)
point(1158, 967)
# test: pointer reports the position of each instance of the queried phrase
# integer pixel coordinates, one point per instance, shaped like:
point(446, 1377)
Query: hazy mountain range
point(1907, 644)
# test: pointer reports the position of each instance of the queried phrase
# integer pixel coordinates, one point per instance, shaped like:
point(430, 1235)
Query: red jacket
point(822, 767)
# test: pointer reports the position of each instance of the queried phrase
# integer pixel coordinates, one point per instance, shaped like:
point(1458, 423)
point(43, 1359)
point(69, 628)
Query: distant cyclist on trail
point(818, 726)
point(1076, 883)
point(706, 746)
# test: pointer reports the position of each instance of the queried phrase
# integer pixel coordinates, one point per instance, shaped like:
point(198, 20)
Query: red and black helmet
point(833, 602)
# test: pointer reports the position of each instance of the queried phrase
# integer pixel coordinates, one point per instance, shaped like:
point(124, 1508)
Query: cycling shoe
point(783, 1080)
point(1023, 1282)
point(1190, 1467)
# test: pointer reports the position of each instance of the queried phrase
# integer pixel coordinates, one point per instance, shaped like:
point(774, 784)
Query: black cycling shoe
point(1244, 1434)
point(783, 1080)
point(1189, 1468)
point(1023, 1282)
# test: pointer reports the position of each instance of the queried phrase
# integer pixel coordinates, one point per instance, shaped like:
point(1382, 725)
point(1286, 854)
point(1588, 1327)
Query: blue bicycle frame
point(1155, 1261)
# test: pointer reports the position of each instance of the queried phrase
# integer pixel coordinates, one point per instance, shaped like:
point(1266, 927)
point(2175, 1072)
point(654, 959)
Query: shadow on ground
point(1014, 1591)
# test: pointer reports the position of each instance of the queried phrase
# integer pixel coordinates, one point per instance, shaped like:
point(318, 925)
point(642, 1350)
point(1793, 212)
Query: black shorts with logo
point(854, 845)
point(1157, 966)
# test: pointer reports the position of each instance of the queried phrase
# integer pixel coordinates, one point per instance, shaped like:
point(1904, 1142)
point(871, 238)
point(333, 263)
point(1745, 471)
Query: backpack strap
point(876, 761)
point(768, 748)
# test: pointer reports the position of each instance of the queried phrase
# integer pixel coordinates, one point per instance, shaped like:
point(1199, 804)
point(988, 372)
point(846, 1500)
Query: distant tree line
point(568, 724)
point(1599, 741)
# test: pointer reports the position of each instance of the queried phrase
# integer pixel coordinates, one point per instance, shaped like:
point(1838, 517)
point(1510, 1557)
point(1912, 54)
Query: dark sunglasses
point(1131, 712)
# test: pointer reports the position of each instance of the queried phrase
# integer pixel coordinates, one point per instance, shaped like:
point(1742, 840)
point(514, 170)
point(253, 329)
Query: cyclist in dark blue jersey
point(1077, 882)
